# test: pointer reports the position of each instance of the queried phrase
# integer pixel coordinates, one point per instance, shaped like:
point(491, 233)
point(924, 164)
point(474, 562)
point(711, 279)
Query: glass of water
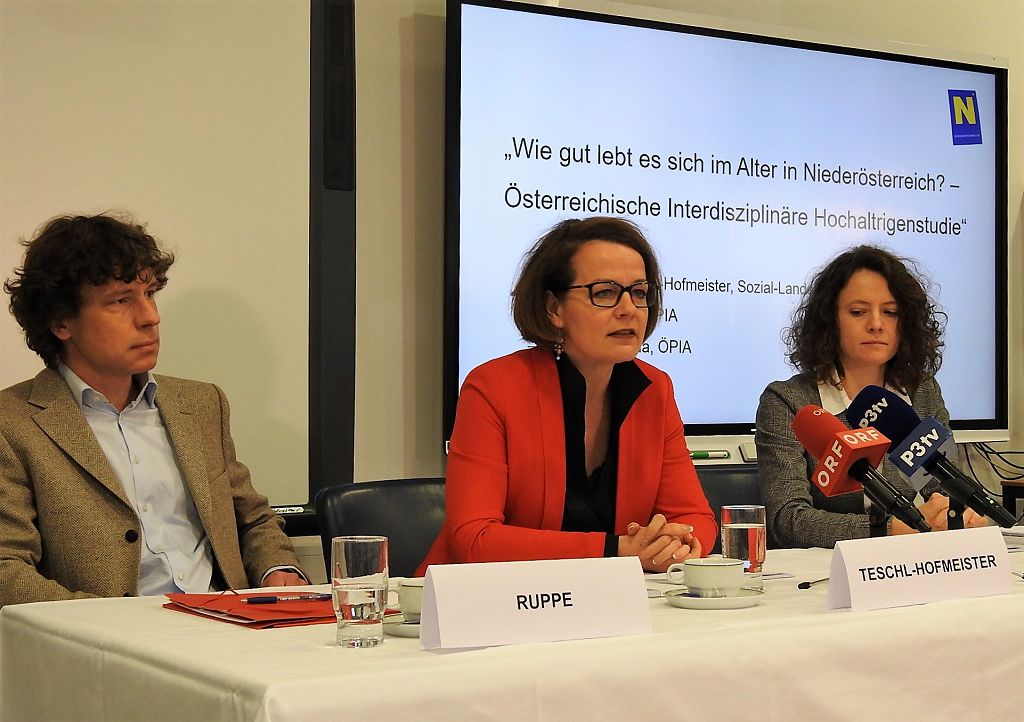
point(744, 537)
point(359, 588)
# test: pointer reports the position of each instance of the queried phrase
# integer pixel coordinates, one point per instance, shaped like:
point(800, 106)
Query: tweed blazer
point(67, 530)
point(505, 489)
point(798, 514)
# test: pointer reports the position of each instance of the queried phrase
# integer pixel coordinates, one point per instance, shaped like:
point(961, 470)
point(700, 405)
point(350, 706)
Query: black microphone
point(845, 455)
point(919, 450)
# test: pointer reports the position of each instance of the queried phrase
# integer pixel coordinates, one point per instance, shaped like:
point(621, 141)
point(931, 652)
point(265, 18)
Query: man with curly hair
point(115, 481)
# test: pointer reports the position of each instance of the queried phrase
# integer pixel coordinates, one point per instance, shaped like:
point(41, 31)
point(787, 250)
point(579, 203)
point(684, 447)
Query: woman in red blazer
point(574, 448)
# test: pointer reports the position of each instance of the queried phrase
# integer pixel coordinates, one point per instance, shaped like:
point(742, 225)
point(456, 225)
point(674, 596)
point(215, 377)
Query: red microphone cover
point(836, 448)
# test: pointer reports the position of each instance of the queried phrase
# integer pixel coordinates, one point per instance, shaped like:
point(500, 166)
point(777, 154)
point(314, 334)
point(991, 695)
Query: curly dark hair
point(548, 267)
point(812, 340)
point(69, 251)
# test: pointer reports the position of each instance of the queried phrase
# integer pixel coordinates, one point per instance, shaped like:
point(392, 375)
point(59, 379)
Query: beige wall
point(400, 180)
point(195, 115)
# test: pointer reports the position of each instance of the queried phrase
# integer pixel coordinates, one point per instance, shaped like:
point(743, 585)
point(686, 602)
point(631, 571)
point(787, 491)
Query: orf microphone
point(921, 450)
point(846, 457)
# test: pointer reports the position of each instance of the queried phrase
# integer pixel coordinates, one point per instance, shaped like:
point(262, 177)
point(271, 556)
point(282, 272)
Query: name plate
point(898, 571)
point(483, 605)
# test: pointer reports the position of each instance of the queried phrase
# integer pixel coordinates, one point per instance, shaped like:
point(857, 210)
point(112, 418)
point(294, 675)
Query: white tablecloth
point(787, 658)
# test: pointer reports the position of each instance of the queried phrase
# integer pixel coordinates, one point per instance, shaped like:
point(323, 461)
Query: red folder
point(232, 607)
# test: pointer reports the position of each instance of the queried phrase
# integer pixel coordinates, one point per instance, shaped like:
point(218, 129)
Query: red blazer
point(505, 490)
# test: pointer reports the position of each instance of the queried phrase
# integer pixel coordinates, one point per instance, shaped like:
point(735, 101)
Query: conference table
point(788, 657)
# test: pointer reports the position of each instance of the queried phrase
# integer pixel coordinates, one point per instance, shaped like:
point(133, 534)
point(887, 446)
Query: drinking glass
point(359, 588)
point(744, 537)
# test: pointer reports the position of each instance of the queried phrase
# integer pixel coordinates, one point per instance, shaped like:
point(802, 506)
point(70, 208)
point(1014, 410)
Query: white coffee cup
point(709, 577)
point(410, 598)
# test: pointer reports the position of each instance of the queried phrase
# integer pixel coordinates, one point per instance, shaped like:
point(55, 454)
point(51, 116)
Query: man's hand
point(282, 578)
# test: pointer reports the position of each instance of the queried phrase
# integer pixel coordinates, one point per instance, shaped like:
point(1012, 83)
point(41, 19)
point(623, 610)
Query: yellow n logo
point(963, 110)
point(963, 117)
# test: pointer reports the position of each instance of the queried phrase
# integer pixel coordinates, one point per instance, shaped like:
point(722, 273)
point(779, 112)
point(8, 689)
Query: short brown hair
point(548, 267)
point(69, 251)
point(812, 339)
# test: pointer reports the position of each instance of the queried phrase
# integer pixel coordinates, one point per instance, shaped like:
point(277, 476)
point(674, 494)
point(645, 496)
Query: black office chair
point(729, 484)
point(409, 512)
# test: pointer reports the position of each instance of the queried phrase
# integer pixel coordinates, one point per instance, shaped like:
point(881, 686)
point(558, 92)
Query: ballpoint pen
point(808, 585)
point(274, 598)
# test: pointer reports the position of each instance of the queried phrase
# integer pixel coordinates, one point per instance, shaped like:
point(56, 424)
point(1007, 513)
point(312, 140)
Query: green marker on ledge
point(722, 454)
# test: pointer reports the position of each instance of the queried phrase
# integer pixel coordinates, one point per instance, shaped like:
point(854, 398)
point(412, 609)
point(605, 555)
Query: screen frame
point(986, 429)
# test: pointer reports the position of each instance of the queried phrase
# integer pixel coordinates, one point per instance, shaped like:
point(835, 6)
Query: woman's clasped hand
point(659, 544)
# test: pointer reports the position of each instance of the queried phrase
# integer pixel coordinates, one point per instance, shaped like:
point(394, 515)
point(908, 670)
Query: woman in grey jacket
point(865, 319)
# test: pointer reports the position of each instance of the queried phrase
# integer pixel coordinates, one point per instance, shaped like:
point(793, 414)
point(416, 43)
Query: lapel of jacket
point(61, 419)
point(627, 496)
point(187, 440)
point(552, 437)
point(643, 425)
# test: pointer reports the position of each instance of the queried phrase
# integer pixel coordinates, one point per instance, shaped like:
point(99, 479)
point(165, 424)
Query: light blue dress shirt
point(176, 554)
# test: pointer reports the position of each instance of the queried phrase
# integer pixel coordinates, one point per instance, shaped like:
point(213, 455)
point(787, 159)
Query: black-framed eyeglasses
point(607, 294)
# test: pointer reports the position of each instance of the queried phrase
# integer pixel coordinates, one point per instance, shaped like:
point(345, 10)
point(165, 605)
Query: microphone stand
point(955, 515)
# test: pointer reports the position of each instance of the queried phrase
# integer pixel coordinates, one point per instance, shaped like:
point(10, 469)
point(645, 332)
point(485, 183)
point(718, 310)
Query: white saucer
point(397, 627)
point(679, 598)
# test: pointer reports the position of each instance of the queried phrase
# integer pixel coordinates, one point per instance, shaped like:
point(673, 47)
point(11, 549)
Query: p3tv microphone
point(847, 461)
point(922, 449)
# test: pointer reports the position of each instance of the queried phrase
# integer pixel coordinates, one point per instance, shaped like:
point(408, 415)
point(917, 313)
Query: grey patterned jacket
point(798, 514)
